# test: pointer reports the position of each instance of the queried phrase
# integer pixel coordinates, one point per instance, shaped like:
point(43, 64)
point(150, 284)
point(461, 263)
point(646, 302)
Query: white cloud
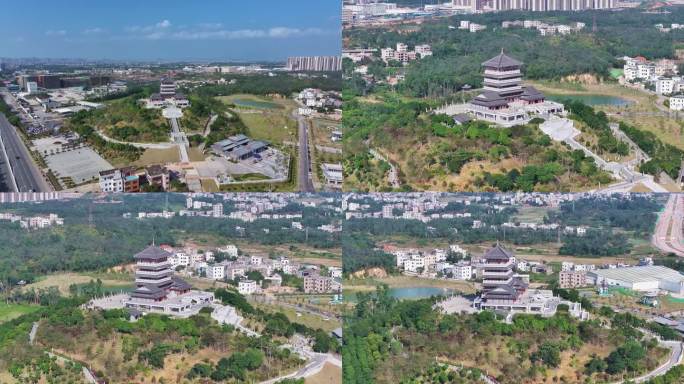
point(214, 31)
point(211, 25)
point(56, 33)
point(275, 33)
point(93, 31)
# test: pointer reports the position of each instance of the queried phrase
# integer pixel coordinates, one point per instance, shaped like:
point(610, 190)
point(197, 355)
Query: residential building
point(217, 210)
point(315, 283)
point(677, 102)
point(111, 181)
point(248, 287)
point(315, 63)
point(333, 174)
point(216, 272)
point(462, 271)
point(572, 279)
point(157, 175)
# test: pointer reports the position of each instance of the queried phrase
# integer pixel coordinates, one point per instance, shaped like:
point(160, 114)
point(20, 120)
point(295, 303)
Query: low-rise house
point(248, 287)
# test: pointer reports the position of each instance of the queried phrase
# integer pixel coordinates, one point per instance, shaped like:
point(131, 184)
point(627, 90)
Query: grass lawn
point(195, 154)
point(247, 101)
point(250, 177)
point(274, 127)
point(266, 118)
point(63, 280)
point(312, 321)
point(531, 214)
point(12, 311)
point(158, 156)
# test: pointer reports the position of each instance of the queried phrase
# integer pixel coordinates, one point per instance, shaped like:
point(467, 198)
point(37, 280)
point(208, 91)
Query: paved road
point(32, 334)
point(668, 236)
point(26, 172)
point(179, 138)
point(137, 145)
point(304, 169)
point(315, 362)
point(7, 181)
point(675, 359)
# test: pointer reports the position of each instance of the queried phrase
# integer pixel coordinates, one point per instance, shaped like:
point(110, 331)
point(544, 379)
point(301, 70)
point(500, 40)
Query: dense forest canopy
point(110, 239)
point(611, 223)
point(458, 53)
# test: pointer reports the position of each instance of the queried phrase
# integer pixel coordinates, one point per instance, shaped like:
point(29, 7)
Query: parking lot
point(82, 164)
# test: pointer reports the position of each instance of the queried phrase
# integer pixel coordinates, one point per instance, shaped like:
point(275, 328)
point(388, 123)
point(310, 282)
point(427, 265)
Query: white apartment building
point(462, 271)
point(677, 102)
point(182, 258)
point(217, 210)
point(247, 287)
point(256, 260)
point(216, 272)
point(234, 272)
point(455, 248)
point(387, 54)
point(335, 272)
point(666, 85)
point(646, 71)
point(476, 27)
point(111, 181)
point(522, 266)
point(440, 254)
point(414, 264)
point(423, 50)
point(230, 250)
point(630, 73)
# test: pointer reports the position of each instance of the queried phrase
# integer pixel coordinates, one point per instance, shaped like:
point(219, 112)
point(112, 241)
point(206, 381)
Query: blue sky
point(170, 29)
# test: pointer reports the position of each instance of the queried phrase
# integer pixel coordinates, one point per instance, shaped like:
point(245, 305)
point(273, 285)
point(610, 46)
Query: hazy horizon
point(170, 30)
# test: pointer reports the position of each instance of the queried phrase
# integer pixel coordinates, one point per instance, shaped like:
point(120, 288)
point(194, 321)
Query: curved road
point(675, 359)
point(137, 145)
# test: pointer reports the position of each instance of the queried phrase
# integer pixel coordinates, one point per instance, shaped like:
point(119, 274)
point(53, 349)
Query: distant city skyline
point(171, 30)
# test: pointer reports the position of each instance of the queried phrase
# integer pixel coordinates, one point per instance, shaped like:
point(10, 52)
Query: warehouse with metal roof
point(640, 278)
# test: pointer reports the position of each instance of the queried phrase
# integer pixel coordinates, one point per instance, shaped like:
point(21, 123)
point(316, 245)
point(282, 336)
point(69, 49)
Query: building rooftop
point(498, 253)
point(640, 274)
point(502, 61)
point(152, 253)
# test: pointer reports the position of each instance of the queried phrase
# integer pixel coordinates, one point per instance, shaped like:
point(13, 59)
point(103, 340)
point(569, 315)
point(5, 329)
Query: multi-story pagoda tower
point(498, 278)
point(502, 75)
point(153, 274)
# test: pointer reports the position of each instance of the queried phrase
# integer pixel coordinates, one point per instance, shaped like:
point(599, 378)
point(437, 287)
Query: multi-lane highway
point(26, 173)
point(669, 235)
point(304, 170)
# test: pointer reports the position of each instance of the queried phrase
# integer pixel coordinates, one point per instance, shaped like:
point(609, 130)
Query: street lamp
point(464, 88)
